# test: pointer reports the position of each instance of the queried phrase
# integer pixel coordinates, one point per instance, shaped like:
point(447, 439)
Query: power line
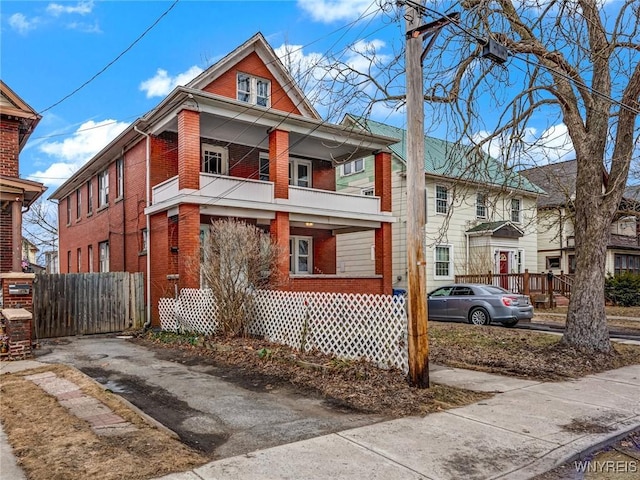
point(115, 59)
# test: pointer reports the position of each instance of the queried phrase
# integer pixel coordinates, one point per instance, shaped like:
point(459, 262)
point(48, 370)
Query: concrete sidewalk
point(527, 429)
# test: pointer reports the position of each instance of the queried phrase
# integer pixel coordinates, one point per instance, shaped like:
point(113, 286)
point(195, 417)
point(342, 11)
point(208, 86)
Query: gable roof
point(502, 228)
point(12, 105)
point(557, 179)
point(259, 45)
point(452, 160)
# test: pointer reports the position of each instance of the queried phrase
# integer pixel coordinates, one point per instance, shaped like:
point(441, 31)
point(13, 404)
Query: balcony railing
point(261, 195)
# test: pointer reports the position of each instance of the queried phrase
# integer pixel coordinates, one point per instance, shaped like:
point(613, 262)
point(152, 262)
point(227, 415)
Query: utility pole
point(416, 211)
point(416, 264)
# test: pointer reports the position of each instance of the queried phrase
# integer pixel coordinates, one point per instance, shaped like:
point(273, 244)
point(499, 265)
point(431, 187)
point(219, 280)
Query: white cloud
point(162, 84)
point(82, 8)
point(21, 23)
point(85, 27)
point(71, 153)
point(328, 11)
point(550, 146)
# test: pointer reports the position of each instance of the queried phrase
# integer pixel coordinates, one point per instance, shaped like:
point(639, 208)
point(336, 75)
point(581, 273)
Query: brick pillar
point(383, 256)
point(188, 149)
point(280, 234)
point(159, 262)
point(189, 246)
point(384, 265)
point(383, 180)
point(279, 164)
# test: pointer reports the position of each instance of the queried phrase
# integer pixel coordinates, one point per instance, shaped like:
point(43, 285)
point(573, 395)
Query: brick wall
point(324, 176)
point(9, 147)
point(189, 149)
point(337, 284)
point(226, 84)
point(279, 162)
point(16, 301)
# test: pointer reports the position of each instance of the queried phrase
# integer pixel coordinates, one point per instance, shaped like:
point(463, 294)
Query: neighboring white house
point(480, 217)
point(556, 235)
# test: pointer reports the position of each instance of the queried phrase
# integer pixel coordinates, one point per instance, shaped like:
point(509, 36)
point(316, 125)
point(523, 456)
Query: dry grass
point(50, 443)
point(520, 353)
point(611, 310)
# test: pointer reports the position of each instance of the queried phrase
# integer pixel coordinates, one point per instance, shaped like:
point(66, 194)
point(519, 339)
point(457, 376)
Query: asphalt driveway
point(211, 408)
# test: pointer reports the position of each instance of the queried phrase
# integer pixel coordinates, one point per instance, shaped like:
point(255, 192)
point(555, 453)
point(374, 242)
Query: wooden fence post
point(525, 282)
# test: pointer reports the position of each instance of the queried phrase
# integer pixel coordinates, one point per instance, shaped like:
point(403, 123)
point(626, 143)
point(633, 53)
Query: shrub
point(623, 289)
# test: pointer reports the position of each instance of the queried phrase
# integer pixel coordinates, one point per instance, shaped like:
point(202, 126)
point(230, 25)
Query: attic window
point(253, 90)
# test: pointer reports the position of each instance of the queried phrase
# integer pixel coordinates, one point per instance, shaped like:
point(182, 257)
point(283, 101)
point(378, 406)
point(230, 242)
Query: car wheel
point(479, 316)
point(510, 323)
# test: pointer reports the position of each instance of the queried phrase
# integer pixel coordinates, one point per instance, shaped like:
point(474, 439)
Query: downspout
point(147, 323)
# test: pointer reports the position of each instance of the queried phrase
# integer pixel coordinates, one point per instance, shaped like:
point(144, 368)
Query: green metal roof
point(456, 161)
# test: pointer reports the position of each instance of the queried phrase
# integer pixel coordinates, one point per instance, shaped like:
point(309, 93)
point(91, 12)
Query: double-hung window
point(443, 261)
point(89, 197)
point(263, 165)
point(215, 159)
point(300, 255)
point(104, 256)
point(442, 199)
point(78, 203)
point(481, 205)
point(299, 172)
point(353, 167)
point(69, 210)
point(253, 90)
point(516, 210)
point(119, 178)
point(103, 188)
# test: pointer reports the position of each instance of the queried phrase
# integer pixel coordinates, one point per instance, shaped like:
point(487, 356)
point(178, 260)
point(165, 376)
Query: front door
point(504, 269)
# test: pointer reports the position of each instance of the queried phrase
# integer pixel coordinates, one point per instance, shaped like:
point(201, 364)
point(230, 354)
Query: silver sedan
point(478, 304)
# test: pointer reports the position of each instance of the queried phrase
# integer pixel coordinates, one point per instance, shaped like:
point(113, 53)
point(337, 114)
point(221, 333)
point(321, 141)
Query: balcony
point(223, 195)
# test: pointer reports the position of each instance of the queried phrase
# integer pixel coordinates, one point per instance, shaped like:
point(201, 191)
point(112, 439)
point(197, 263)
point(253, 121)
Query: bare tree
point(572, 63)
point(40, 227)
point(238, 259)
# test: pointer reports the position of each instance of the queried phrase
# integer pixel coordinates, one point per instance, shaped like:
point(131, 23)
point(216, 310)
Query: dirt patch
point(586, 426)
point(520, 353)
point(50, 443)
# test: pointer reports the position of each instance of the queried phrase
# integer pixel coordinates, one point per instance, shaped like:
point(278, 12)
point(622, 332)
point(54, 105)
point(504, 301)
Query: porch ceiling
point(229, 120)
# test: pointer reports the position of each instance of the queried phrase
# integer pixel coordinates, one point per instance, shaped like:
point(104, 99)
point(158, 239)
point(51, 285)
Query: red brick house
point(240, 140)
point(17, 122)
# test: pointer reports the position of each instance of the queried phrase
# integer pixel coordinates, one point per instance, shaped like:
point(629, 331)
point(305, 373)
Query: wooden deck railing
point(525, 283)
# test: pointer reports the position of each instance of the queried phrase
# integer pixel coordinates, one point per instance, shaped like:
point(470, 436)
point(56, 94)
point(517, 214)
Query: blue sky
point(50, 48)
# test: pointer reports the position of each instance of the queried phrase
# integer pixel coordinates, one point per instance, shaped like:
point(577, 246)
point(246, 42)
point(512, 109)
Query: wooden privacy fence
point(86, 303)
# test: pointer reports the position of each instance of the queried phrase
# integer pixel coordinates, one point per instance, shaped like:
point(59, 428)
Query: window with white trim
point(443, 261)
point(253, 90)
point(79, 266)
point(78, 203)
point(350, 168)
point(69, 210)
point(300, 255)
point(481, 205)
point(89, 197)
point(442, 199)
point(299, 172)
point(104, 256)
point(103, 188)
point(263, 165)
point(215, 159)
point(516, 210)
point(368, 192)
point(90, 257)
point(520, 261)
point(119, 178)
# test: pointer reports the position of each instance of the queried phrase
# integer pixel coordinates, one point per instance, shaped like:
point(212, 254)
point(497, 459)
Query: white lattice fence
point(373, 327)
